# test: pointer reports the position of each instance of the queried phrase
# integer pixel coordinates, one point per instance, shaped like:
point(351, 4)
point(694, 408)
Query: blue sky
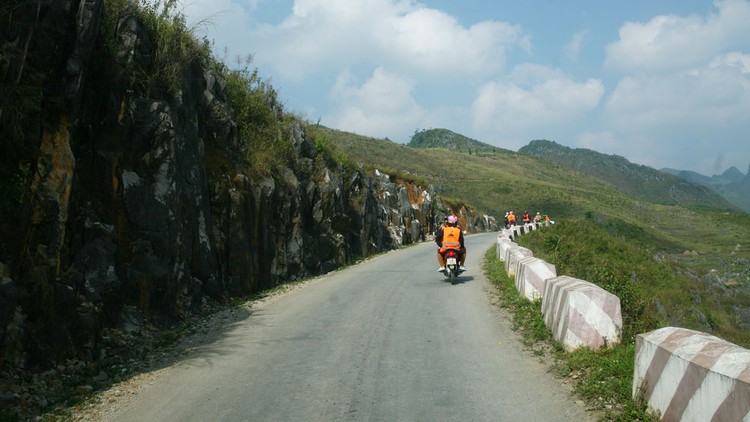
point(664, 83)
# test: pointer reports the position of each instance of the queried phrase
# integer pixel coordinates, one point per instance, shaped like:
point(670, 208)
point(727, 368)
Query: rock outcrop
point(126, 215)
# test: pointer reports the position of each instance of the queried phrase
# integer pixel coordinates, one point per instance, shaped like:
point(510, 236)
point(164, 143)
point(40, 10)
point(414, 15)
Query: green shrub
point(583, 250)
point(174, 46)
point(255, 106)
point(654, 289)
point(260, 119)
point(327, 149)
point(605, 377)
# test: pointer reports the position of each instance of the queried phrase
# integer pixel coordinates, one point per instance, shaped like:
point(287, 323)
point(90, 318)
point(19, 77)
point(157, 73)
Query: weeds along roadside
point(603, 379)
point(652, 283)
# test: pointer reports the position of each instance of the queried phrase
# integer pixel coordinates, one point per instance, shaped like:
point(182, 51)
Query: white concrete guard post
point(503, 245)
point(581, 314)
point(531, 274)
point(513, 255)
point(689, 375)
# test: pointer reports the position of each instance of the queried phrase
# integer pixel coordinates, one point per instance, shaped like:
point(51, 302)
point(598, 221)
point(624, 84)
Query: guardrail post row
point(579, 313)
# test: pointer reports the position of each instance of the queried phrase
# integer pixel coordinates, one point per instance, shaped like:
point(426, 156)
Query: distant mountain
point(637, 180)
point(689, 175)
point(444, 138)
point(732, 184)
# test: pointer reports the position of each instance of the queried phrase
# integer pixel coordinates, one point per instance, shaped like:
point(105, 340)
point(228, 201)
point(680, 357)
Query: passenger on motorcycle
point(447, 237)
point(511, 219)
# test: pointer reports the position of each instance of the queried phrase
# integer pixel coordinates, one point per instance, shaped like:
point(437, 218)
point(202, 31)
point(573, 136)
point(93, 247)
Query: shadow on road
point(460, 279)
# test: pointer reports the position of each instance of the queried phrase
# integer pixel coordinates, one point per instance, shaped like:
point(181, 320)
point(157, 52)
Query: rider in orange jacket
point(511, 219)
point(450, 236)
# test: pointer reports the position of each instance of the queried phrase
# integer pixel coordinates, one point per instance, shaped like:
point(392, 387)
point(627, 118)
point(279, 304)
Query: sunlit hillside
point(504, 180)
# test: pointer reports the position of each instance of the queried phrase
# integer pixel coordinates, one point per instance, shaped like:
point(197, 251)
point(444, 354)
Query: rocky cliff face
point(125, 214)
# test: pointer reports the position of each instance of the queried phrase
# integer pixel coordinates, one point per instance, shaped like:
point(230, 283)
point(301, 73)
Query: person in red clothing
point(526, 217)
point(450, 236)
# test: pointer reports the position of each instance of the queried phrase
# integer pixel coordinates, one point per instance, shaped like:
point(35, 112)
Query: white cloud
point(399, 34)
point(686, 96)
point(636, 149)
point(382, 106)
point(431, 41)
point(533, 102)
point(708, 96)
point(225, 22)
point(734, 59)
point(402, 66)
point(690, 116)
point(605, 142)
point(674, 42)
point(575, 45)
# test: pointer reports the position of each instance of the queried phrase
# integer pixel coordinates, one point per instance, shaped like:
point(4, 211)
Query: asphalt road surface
point(385, 340)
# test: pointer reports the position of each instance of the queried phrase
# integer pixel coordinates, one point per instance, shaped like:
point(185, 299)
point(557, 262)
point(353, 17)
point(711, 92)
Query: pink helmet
point(452, 219)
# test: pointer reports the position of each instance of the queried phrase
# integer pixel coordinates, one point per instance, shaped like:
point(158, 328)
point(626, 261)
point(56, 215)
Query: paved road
point(385, 340)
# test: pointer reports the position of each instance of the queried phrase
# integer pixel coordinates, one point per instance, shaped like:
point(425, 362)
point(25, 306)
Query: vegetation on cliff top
point(263, 124)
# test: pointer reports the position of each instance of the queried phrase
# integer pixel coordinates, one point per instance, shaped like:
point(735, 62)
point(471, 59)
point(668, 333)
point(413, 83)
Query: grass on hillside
point(603, 379)
point(651, 286)
point(507, 180)
point(491, 183)
point(716, 240)
point(637, 180)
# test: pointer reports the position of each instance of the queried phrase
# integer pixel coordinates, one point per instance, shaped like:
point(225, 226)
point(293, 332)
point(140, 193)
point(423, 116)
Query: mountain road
point(388, 339)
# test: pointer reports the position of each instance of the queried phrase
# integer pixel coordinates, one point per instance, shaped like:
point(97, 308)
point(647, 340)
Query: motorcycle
point(452, 267)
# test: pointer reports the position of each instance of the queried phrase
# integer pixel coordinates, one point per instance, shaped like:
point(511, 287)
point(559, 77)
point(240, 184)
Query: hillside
point(507, 180)
point(732, 184)
point(492, 182)
point(637, 180)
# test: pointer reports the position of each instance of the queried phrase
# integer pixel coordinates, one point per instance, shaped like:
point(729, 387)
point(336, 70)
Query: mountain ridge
point(445, 138)
point(666, 186)
point(732, 184)
point(637, 180)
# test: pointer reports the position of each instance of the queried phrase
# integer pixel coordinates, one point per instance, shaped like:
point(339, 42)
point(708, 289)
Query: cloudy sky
point(665, 83)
